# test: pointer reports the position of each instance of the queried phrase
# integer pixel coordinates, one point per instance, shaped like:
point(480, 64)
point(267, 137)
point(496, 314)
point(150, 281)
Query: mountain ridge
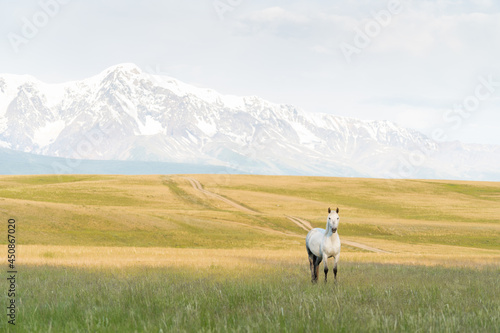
point(126, 114)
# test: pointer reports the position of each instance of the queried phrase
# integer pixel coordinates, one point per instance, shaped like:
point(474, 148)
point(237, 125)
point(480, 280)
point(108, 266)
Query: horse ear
point(337, 210)
point(329, 210)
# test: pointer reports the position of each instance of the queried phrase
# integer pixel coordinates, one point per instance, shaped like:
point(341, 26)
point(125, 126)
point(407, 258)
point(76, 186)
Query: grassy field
point(152, 253)
point(368, 297)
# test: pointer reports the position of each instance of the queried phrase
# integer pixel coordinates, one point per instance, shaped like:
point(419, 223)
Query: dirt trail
point(304, 224)
point(301, 223)
point(197, 186)
point(363, 246)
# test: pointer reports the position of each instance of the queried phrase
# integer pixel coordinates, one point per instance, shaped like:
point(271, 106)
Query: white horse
point(322, 244)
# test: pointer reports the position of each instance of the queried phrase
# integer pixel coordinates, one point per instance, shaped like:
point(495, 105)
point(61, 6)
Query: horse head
point(332, 222)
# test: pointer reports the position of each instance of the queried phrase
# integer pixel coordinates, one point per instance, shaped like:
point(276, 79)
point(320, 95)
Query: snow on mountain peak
point(124, 67)
point(124, 113)
point(208, 95)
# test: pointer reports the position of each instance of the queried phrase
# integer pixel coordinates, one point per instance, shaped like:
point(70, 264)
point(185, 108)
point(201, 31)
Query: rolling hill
point(245, 211)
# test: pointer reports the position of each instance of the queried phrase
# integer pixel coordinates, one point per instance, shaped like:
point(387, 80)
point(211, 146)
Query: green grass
point(184, 196)
point(75, 195)
point(407, 199)
point(477, 191)
point(54, 179)
point(483, 239)
point(368, 298)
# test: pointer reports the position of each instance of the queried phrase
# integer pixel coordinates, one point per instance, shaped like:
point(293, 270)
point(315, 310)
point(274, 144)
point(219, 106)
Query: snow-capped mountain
point(126, 114)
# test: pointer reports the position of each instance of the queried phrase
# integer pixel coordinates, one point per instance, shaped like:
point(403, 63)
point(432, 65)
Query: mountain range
point(125, 114)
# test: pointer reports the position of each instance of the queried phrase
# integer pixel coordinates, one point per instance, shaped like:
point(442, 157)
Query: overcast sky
point(430, 65)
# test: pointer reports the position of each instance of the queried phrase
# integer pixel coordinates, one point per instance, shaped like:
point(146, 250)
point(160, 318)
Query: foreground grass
point(368, 298)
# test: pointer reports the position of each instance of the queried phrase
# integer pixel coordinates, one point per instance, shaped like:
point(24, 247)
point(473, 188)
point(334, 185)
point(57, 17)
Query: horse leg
point(316, 268)
point(336, 260)
point(311, 266)
point(326, 267)
point(312, 259)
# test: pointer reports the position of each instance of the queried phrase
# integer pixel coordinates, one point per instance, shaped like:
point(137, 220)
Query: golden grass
point(90, 256)
point(236, 259)
point(142, 220)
